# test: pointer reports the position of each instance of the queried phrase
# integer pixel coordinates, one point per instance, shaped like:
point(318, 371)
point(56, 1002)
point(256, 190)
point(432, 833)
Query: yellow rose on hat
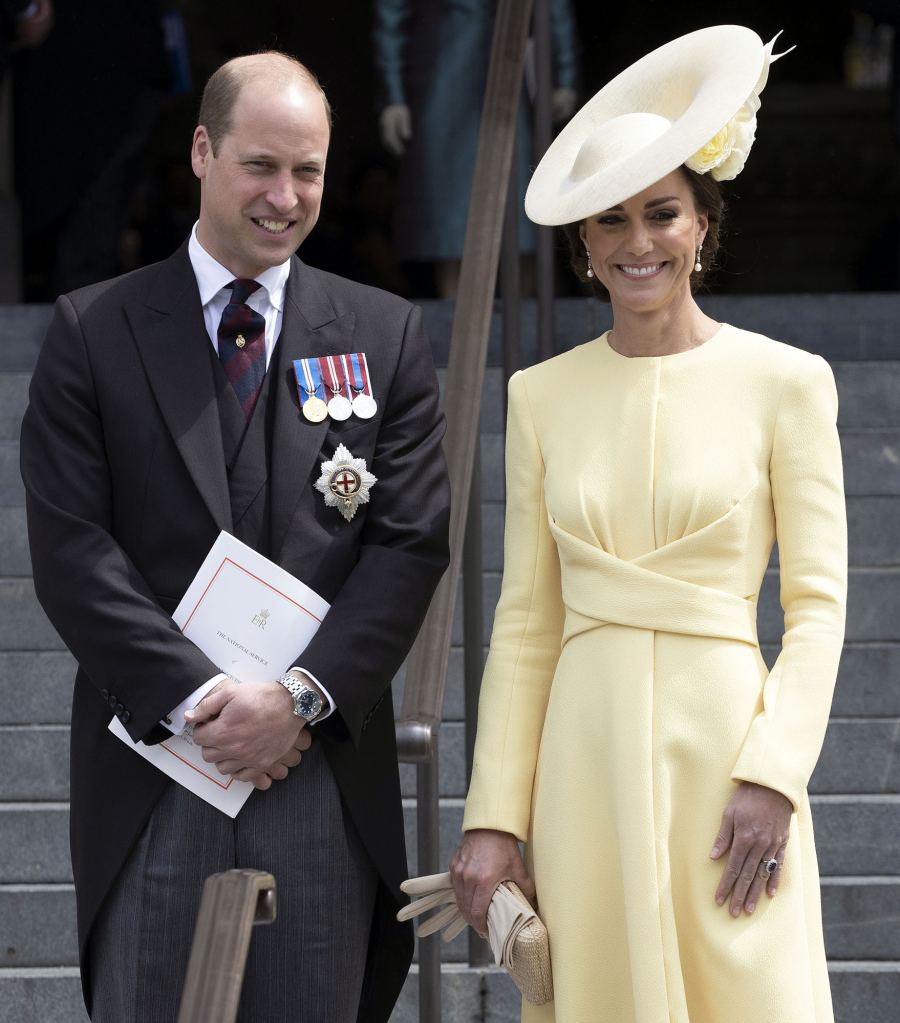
point(726, 152)
point(715, 152)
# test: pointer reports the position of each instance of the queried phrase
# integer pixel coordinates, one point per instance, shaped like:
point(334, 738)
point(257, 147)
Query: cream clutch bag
point(517, 937)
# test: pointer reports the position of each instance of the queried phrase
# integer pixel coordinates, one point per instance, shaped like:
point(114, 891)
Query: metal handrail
point(233, 902)
point(427, 665)
point(426, 674)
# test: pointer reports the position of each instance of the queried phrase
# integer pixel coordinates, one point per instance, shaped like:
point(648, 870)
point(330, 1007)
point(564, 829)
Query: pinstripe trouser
point(306, 967)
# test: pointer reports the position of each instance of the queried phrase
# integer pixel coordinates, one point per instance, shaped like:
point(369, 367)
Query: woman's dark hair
point(708, 200)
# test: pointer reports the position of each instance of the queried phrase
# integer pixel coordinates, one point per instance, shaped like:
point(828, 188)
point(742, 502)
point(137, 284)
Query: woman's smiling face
point(644, 250)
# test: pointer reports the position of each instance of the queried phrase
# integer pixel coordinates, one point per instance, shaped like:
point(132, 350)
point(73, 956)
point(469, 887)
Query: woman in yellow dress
point(629, 732)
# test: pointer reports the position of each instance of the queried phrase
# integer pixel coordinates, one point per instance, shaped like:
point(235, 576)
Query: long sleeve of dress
point(525, 642)
point(785, 739)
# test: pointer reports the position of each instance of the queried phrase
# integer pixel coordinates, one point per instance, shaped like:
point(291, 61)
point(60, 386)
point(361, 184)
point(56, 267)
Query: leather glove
point(434, 890)
point(508, 914)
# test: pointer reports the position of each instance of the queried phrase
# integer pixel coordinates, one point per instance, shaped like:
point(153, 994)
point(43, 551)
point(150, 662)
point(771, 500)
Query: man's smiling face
point(262, 190)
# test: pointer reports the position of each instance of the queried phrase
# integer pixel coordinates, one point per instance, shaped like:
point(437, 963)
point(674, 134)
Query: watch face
point(309, 704)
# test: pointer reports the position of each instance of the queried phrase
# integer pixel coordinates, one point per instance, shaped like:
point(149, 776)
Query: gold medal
point(315, 409)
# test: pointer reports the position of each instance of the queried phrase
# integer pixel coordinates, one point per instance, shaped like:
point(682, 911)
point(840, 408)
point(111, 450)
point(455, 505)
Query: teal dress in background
point(432, 56)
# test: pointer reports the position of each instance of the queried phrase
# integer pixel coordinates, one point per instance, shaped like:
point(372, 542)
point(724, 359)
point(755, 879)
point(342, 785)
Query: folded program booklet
point(252, 619)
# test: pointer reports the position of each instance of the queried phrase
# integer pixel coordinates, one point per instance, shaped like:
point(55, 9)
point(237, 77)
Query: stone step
point(38, 925)
point(12, 493)
point(13, 401)
point(22, 330)
point(863, 992)
point(868, 392)
point(859, 756)
point(840, 327)
point(872, 617)
point(36, 686)
point(855, 836)
point(859, 915)
point(36, 762)
point(15, 559)
point(23, 624)
point(871, 466)
point(41, 995)
point(873, 526)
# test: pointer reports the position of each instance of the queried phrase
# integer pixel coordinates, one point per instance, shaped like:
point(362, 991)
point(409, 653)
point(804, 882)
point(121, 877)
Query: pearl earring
point(590, 269)
point(698, 266)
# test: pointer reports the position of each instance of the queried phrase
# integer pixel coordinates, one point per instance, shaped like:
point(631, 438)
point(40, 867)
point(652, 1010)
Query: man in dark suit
point(139, 445)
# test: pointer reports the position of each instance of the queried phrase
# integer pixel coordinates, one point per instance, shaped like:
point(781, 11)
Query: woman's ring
point(769, 867)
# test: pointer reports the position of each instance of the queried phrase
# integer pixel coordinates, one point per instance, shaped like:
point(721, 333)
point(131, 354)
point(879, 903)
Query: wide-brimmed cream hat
point(692, 101)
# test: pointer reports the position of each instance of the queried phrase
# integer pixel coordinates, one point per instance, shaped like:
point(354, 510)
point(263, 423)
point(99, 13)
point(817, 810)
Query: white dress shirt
point(213, 280)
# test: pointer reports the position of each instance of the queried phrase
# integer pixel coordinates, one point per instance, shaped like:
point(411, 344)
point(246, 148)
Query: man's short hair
point(223, 88)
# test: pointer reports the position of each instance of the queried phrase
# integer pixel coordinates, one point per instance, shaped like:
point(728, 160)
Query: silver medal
point(365, 406)
point(339, 407)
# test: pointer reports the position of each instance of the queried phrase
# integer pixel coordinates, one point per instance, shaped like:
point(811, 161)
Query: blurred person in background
point(24, 24)
point(433, 60)
point(84, 104)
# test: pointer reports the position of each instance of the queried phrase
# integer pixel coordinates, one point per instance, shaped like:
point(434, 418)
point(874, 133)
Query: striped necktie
point(242, 345)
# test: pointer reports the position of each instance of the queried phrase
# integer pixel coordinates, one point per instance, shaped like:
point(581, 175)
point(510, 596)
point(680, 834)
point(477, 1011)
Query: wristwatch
point(307, 702)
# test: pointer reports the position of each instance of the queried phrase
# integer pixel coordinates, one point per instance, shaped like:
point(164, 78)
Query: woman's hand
point(755, 827)
point(482, 860)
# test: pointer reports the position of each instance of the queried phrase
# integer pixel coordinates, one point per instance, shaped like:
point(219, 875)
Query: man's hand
point(279, 771)
point(755, 827)
point(33, 26)
point(246, 730)
point(482, 860)
point(396, 127)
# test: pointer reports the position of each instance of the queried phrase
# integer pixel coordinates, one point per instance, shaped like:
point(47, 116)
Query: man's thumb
point(208, 707)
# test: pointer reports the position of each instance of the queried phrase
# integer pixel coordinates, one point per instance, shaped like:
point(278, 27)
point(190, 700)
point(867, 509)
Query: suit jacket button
point(112, 700)
point(104, 693)
point(119, 708)
point(125, 717)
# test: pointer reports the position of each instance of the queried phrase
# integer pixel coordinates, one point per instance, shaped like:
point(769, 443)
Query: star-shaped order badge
point(345, 482)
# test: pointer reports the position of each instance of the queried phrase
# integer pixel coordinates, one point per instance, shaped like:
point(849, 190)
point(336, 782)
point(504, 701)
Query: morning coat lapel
point(174, 347)
point(310, 327)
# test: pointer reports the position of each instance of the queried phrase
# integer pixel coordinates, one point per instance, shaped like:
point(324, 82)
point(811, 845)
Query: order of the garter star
point(345, 482)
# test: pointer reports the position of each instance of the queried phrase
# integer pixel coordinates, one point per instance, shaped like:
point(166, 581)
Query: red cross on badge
point(345, 482)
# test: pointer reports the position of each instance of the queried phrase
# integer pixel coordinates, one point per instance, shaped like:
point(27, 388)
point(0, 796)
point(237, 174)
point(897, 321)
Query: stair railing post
point(510, 279)
point(473, 648)
point(543, 136)
point(428, 831)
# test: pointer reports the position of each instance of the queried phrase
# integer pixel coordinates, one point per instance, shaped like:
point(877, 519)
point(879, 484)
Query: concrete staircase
point(856, 789)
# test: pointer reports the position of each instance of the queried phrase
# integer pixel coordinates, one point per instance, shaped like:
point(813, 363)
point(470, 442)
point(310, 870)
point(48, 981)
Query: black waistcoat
point(247, 448)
